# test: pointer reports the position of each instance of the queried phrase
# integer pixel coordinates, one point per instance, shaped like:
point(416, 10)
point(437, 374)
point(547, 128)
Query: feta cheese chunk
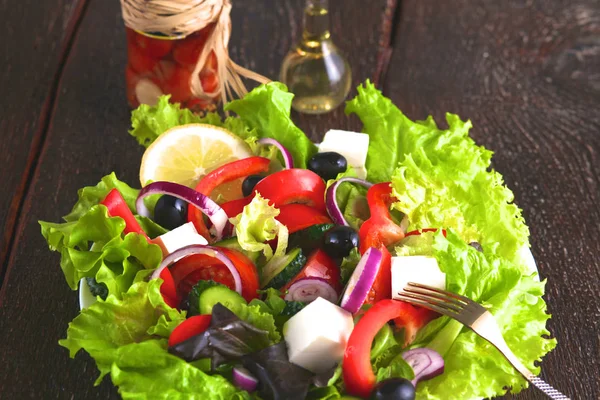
point(179, 237)
point(352, 145)
point(316, 337)
point(418, 269)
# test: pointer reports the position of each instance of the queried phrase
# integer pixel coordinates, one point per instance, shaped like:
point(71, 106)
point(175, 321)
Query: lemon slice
point(186, 153)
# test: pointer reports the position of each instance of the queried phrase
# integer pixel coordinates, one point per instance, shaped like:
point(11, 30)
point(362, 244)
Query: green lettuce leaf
point(91, 195)
point(266, 110)
point(256, 226)
point(440, 177)
point(112, 260)
point(473, 367)
point(149, 122)
point(147, 371)
point(105, 326)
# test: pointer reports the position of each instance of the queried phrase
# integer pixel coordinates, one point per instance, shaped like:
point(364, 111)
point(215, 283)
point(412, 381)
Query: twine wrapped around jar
point(179, 18)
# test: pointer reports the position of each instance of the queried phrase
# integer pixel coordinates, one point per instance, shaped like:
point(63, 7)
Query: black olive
point(170, 212)
point(328, 164)
point(339, 241)
point(249, 184)
point(394, 389)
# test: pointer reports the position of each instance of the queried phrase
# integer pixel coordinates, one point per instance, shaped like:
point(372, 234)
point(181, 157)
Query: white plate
point(86, 298)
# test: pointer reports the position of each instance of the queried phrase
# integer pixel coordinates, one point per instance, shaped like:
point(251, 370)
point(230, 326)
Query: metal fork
point(476, 317)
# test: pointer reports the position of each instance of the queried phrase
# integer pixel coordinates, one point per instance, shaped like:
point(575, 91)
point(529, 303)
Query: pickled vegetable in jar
point(180, 49)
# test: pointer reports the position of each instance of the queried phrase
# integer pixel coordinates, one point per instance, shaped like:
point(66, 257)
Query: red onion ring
point(201, 249)
point(361, 281)
point(205, 204)
point(288, 160)
point(333, 209)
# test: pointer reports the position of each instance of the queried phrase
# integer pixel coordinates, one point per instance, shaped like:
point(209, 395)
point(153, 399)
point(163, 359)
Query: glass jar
point(158, 65)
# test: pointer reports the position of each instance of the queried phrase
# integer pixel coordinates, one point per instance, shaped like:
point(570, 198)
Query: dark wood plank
point(87, 139)
point(526, 74)
point(34, 46)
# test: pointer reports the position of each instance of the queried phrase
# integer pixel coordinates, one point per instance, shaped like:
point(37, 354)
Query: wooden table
point(526, 72)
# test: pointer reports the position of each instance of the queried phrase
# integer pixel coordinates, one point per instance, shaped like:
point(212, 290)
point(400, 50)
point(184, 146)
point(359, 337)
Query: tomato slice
point(189, 328)
point(356, 365)
point(319, 265)
point(117, 207)
point(189, 270)
point(300, 216)
point(294, 185)
point(168, 289)
point(225, 173)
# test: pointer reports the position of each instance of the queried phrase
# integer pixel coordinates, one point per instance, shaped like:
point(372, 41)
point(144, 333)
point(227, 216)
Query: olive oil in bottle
point(315, 70)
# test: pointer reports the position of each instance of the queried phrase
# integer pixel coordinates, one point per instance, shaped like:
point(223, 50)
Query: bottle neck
point(316, 21)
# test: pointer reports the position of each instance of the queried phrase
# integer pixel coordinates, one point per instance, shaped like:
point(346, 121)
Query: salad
point(254, 264)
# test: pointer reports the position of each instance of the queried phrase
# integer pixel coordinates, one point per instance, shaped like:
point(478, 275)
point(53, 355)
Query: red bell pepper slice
point(168, 289)
point(356, 365)
point(225, 173)
point(319, 265)
point(234, 207)
point(294, 185)
point(117, 207)
point(189, 328)
point(380, 231)
point(300, 216)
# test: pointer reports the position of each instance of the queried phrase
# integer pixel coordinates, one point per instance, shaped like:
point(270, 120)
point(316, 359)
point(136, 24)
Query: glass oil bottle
point(315, 70)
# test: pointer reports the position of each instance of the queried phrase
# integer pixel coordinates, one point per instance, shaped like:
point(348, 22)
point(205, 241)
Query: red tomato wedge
point(319, 265)
point(294, 185)
point(300, 216)
point(189, 328)
point(189, 270)
point(225, 173)
point(356, 365)
point(117, 207)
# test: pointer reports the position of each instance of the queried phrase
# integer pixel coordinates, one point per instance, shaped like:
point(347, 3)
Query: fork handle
point(547, 389)
point(536, 381)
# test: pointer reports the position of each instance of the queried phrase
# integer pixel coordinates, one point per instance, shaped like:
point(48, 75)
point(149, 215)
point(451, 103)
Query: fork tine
point(440, 291)
point(433, 300)
point(407, 298)
point(435, 295)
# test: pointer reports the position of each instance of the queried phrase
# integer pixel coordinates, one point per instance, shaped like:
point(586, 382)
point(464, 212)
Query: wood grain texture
point(87, 138)
point(527, 74)
point(31, 56)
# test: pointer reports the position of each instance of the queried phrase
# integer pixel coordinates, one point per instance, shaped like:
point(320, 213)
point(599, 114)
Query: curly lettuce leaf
point(112, 260)
point(473, 367)
point(256, 226)
point(149, 122)
point(440, 177)
point(105, 326)
point(266, 109)
point(147, 371)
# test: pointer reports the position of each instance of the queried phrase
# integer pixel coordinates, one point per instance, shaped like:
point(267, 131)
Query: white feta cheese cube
point(316, 337)
point(418, 269)
point(179, 237)
point(352, 145)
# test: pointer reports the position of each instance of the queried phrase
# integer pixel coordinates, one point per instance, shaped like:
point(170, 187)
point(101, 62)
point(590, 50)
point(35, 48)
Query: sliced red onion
point(362, 279)
point(333, 209)
point(201, 249)
point(308, 289)
point(244, 379)
point(425, 362)
point(288, 160)
point(216, 214)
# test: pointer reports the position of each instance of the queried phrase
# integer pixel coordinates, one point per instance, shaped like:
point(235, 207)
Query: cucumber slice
point(310, 238)
point(227, 297)
point(281, 270)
